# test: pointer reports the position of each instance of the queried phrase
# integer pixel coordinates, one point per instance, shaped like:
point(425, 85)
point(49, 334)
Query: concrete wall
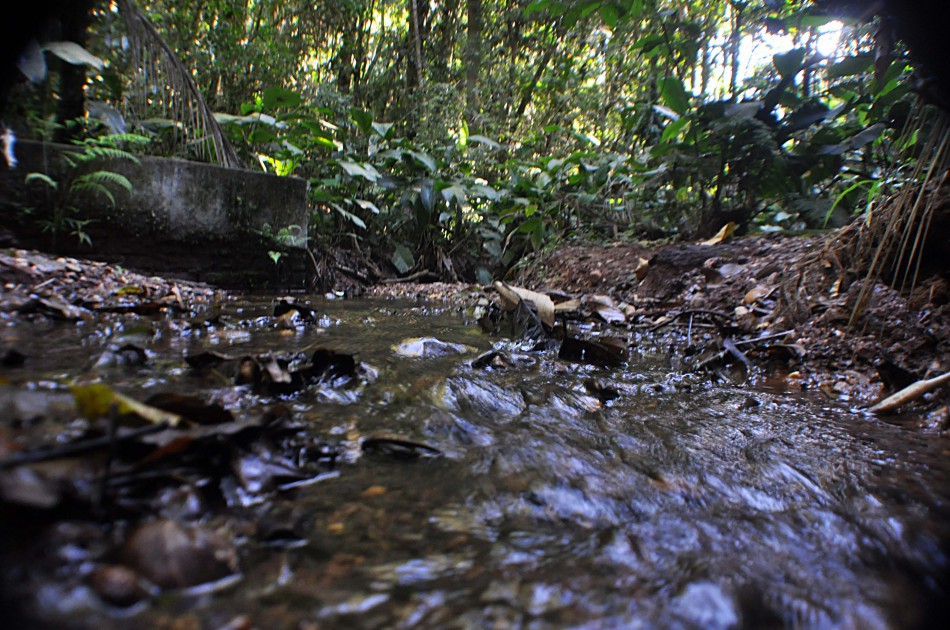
point(187, 219)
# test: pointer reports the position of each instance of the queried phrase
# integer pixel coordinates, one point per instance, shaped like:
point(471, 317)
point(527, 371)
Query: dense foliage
point(456, 136)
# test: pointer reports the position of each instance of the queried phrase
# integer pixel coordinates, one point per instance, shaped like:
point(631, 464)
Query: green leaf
point(403, 259)
point(383, 129)
point(275, 97)
point(790, 63)
point(850, 66)
point(488, 142)
point(483, 190)
point(609, 14)
point(648, 43)
point(856, 141)
point(537, 5)
point(589, 8)
point(362, 118)
point(349, 215)
point(529, 226)
point(358, 169)
point(109, 177)
point(674, 94)
point(423, 158)
point(367, 205)
point(672, 130)
point(455, 192)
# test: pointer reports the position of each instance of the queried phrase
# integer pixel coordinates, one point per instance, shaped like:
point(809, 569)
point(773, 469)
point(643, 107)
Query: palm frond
point(907, 215)
point(159, 66)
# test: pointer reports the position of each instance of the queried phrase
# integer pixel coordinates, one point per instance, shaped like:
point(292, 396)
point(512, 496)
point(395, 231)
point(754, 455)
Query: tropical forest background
point(457, 136)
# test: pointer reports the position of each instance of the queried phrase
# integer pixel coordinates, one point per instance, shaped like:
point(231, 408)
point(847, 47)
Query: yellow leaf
point(643, 267)
point(93, 400)
point(722, 235)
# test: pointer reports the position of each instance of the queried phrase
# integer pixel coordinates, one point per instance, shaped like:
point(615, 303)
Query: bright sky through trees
point(757, 49)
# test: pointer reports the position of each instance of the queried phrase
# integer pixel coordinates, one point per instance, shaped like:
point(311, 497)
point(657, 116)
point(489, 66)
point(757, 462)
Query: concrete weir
point(185, 219)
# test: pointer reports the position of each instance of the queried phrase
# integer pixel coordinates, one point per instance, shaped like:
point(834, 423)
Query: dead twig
point(78, 448)
point(696, 311)
point(419, 275)
point(910, 393)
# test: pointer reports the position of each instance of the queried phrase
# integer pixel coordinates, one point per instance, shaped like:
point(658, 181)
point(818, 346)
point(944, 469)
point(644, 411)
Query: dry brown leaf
point(510, 297)
point(756, 293)
point(643, 268)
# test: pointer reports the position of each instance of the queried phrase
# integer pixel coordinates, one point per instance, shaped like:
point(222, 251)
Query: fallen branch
point(673, 316)
point(78, 448)
point(745, 342)
point(910, 393)
point(425, 274)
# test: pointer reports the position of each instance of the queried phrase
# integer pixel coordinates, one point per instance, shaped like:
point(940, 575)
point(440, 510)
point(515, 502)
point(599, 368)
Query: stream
point(524, 492)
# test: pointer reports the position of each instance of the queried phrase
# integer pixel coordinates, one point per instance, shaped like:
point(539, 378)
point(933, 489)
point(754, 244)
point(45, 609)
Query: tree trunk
point(414, 74)
point(75, 20)
point(473, 58)
point(528, 93)
point(734, 40)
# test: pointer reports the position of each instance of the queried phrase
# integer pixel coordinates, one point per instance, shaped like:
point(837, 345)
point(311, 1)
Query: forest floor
point(785, 288)
point(760, 286)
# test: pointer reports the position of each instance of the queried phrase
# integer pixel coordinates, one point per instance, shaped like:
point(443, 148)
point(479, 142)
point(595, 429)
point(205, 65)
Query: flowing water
point(674, 501)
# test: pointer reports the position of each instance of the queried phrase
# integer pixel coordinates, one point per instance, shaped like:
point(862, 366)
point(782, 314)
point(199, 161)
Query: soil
point(752, 286)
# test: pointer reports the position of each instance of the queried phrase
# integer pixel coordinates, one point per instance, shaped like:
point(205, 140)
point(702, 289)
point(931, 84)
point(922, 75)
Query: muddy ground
point(758, 286)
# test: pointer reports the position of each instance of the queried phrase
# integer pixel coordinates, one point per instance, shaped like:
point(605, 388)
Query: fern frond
point(109, 153)
point(105, 178)
point(41, 177)
point(94, 187)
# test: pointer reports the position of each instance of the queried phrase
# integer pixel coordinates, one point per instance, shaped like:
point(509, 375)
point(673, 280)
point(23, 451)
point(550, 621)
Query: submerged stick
point(910, 393)
point(79, 448)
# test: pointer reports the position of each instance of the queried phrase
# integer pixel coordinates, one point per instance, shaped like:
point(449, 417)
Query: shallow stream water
point(676, 501)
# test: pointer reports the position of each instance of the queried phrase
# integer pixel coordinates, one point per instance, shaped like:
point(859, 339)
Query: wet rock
point(172, 555)
point(428, 347)
point(480, 397)
point(707, 605)
point(117, 584)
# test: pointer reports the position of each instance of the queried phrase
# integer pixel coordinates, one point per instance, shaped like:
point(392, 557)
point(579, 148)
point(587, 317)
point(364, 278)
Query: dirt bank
point(759, 286)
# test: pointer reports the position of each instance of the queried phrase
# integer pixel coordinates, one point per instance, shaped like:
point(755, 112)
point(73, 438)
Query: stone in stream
point(428, 347)
point(172, 555)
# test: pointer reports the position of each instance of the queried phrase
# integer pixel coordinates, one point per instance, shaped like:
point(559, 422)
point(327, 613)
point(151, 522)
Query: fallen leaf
point(94, 400)
point(643, 268)
point(510, 297)
point(190, 407)
point(722, 235)
point(755, 294)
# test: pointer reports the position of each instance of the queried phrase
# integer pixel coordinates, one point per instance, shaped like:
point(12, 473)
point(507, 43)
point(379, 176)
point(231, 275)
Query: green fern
point(75, 181)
